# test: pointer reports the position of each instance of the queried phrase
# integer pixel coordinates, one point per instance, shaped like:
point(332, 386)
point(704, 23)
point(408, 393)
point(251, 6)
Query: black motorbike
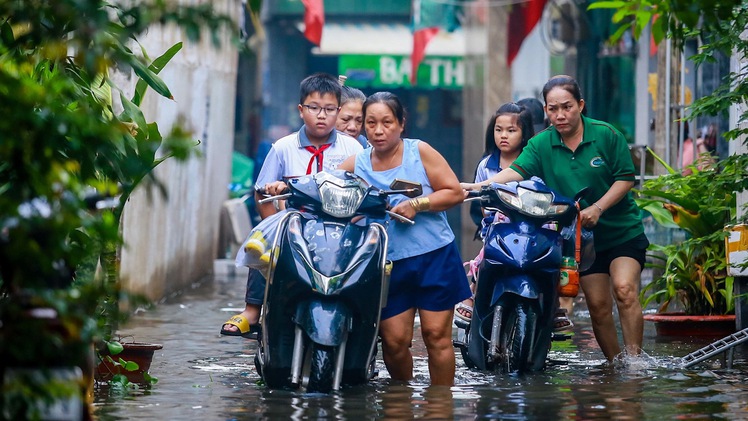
point(327, 283)
point(516, 294)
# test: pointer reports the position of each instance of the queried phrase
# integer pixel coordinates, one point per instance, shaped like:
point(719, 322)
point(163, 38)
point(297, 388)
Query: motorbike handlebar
point(473, 194)
point(273, 198)
point(401, 218)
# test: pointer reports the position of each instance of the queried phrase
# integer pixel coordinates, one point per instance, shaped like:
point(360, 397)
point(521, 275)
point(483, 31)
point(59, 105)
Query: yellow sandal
point(245, 329)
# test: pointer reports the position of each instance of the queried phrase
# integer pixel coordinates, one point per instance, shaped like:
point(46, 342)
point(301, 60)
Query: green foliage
point(719, 25)
point(702, 204)
point(60, 137)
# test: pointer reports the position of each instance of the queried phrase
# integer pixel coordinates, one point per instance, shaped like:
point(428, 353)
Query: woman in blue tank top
point(427, 273)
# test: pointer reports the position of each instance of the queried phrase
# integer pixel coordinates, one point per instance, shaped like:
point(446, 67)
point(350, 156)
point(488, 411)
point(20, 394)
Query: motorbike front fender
point(522, 285)
point(325, 322)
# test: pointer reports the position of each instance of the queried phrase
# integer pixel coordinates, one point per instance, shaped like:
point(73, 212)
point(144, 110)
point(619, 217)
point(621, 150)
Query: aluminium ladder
point(726, 344)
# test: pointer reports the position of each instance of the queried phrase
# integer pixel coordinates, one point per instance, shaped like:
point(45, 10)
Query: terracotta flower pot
point(137, 352)
point(681, 324)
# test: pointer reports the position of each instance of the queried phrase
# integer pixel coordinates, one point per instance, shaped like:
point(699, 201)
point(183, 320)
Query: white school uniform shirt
point(289, 158)
point(488, 167)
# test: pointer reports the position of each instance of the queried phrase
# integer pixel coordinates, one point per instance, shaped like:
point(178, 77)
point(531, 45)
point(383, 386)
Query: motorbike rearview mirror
point(581, 194)
point(407, 188)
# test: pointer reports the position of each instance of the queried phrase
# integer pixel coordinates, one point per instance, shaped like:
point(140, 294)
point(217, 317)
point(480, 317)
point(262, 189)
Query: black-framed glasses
point(316, 109)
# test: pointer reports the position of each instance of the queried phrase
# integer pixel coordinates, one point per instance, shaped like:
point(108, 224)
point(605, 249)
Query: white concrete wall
point(531, 68)
point(738, 146)
point(172, 242)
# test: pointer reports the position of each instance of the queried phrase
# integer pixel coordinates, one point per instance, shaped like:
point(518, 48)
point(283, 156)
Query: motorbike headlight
point(557, 209)
point(532, 202)
point(340, 201)
point(510, 199)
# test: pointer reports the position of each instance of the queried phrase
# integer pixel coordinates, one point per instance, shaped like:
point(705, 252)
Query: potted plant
point(694, 280)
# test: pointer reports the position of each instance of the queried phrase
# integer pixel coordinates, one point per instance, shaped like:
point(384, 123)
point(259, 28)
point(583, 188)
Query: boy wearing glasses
point(317, 146)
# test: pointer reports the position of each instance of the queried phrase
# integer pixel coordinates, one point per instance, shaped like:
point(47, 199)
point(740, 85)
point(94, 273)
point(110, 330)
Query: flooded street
point(203, 375)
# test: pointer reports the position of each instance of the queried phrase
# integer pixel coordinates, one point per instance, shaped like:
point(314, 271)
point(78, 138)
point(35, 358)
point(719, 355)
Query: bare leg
point(436, 329)
point(254, 295)
point(625, 275)
point(596, 289)
point(468, 302)
point(566, 303)
point(397, 335)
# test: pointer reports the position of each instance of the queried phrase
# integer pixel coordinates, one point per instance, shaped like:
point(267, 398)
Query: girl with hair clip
point(507, 132)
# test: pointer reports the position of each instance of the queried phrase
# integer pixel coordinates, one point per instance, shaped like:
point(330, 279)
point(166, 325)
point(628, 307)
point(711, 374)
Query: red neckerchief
point(316, 153)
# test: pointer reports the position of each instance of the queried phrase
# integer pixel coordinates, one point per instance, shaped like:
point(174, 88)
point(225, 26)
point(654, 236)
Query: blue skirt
point(434, 281)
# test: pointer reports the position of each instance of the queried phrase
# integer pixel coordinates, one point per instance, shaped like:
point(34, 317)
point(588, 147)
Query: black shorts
point(635, 248)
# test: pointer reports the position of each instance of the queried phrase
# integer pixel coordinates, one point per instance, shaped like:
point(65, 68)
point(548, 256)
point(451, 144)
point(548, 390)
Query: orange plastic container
point(568, 285)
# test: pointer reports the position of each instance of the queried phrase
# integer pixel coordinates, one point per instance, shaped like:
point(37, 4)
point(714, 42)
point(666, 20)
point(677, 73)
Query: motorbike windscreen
point(333, 248)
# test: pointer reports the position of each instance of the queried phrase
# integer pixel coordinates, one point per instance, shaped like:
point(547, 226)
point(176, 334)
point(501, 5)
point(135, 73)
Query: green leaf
point(119, 380)
point(132, 112)
point(6, 34)
point(155, 67)
point(130, 366)
point(675, 197)
point(662, 162)
point(642, 20)
point(114, 347)
point(693, 223)
point(150, 379)
point(147, 150)
point(101, 90)
point(615, 4)
point(619, 32)
point(658, 212)
point(151, 78)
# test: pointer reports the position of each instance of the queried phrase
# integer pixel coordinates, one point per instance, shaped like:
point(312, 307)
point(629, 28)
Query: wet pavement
point(203, 375)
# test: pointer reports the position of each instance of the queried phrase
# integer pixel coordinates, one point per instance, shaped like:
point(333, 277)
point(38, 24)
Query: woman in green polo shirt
point(578, 152)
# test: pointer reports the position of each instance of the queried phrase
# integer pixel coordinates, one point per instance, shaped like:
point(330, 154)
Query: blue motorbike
point(516, 294)
point(327, 283)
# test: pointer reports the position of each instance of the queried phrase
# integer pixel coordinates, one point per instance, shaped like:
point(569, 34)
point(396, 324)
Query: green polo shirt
point(602, 158)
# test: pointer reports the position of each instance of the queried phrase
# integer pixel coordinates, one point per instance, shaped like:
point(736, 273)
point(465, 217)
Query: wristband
point(598, 206)
point(420, 204)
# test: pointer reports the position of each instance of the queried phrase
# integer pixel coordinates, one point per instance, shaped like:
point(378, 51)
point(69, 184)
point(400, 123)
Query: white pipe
point(682, 116)
point(667, 102)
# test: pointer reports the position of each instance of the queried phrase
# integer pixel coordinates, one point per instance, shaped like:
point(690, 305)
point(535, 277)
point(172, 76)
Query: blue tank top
point(431, 230)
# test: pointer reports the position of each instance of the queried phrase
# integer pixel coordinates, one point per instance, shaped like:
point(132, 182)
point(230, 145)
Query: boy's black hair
point(322, 83)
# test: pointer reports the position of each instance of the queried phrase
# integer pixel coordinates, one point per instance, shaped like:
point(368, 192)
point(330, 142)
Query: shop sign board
point(393, 71)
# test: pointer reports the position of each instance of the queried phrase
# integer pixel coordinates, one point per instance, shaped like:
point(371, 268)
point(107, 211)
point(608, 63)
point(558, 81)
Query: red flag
point(421, 39)
point(522, 19)
point(652, 43)
point(429, 16)
point(314, 20)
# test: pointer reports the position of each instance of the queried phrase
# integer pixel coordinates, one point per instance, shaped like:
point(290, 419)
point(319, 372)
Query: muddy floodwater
point(204, 376)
